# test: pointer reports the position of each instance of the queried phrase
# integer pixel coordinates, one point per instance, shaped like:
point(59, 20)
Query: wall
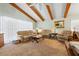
point(11, 21)
point(49, 24)
point(9, 26)
point(75, 24)
point(67, 25)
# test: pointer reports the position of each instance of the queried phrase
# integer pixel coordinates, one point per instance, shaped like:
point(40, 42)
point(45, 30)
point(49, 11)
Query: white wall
point(75, 24)
point(49, 24)
point(67, 25)
point(9, 26)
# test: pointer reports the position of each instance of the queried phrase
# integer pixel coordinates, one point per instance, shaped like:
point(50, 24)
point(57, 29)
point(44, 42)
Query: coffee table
point(36, 38)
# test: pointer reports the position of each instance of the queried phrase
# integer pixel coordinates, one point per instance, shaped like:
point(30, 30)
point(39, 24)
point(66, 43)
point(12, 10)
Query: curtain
point(10, 26)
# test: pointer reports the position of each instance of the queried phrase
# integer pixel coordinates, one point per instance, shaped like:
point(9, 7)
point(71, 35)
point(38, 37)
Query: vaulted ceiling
point(39, 12)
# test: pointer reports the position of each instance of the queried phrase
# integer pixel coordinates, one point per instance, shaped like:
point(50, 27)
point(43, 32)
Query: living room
point(39, 28)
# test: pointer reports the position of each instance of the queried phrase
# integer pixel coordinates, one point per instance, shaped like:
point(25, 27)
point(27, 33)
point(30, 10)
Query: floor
point(43, 48)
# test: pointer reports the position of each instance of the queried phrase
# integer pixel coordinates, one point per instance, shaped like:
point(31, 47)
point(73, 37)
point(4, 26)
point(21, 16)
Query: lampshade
point(39, 30)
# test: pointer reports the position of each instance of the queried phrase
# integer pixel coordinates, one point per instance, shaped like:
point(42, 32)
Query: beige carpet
point(43, 48)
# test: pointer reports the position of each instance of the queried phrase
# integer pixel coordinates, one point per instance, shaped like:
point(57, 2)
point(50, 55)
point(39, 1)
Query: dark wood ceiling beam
point(49, 11)
point(22, 11)
point(67, 9)
point(36, 11)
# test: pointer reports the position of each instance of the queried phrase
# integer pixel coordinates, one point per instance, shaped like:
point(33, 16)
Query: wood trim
point(22, 11)
point(49, 10)
point(67, 9)
point(36, 11)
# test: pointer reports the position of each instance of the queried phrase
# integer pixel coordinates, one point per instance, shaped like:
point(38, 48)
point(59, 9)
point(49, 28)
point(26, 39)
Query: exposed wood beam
point(22, 11)
point(28, 3)
point(36, 11)
point(67, 9)
point(49, 11)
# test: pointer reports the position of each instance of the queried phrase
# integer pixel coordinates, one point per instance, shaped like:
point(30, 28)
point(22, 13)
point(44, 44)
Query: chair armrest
point(20, 37)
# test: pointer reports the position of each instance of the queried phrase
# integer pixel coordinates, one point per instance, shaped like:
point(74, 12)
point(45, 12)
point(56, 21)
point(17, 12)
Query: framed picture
point(59, 24)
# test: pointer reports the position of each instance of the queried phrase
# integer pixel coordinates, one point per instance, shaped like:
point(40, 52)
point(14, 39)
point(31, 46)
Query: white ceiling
point(9, 11)
point(29, 11)
point(58, 10)
point(74, 10)
point(42, 9)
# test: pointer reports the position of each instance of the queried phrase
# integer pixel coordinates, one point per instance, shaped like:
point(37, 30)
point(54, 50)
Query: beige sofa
point(66, 35)
point(45, 33)
point(24, 35)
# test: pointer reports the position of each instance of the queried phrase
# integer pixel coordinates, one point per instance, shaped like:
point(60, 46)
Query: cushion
point(75, 45)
